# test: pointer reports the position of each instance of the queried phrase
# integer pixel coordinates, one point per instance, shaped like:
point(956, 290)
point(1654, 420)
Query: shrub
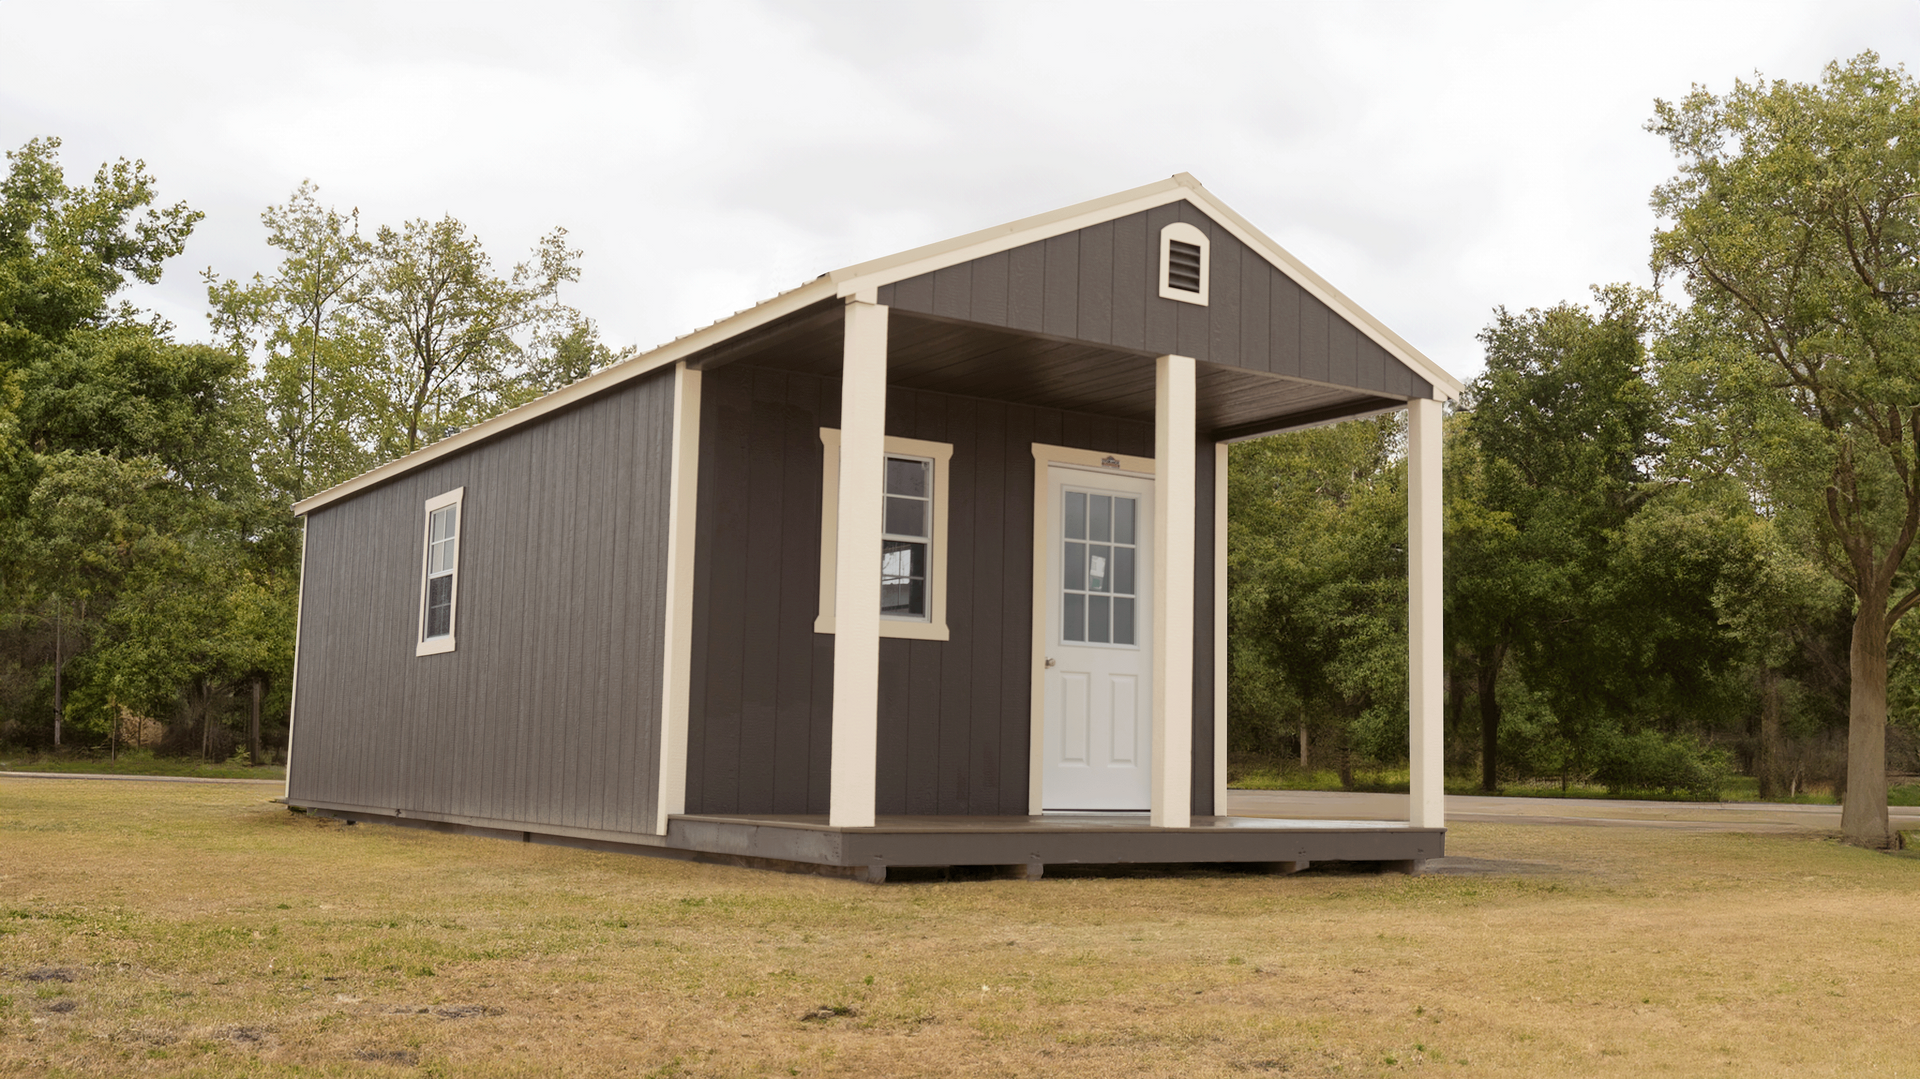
point(1669, 764)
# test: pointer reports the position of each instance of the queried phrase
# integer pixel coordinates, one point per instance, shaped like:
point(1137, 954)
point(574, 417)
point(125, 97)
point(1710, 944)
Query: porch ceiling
point(946, 356)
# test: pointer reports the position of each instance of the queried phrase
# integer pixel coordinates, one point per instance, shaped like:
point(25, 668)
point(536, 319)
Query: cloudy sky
point(1433, 160)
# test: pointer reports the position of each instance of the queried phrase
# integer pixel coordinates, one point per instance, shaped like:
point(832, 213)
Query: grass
point(135, 762)
point(1267, 775)
point(161, 929)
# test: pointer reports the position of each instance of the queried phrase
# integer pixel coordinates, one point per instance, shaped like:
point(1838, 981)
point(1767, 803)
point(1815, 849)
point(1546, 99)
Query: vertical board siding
point(548, 711)
point(953, 714)
point(1203, 555)
point(1101, 284)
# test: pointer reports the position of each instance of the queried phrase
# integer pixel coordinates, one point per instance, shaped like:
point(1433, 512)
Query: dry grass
point(162, 929)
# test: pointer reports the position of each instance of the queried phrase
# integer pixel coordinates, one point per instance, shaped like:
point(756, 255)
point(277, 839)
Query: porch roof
point(801, 329)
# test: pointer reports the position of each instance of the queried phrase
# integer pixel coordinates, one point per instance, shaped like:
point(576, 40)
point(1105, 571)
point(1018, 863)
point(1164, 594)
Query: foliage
point(149, 556)
point(1793, 226)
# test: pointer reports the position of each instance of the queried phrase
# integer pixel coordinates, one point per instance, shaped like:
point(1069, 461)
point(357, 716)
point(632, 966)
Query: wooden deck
point(1019, 846)
point(1028, 844)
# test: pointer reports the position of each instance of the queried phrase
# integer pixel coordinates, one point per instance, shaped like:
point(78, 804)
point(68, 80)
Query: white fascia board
point(598, 382)
point(868, 276)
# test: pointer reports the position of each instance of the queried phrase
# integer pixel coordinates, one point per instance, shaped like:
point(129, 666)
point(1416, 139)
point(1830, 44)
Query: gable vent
point(1183, 266)
point(1183, 263)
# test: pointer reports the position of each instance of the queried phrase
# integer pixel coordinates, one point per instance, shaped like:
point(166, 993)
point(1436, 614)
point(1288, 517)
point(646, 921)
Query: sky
point(1432, 160)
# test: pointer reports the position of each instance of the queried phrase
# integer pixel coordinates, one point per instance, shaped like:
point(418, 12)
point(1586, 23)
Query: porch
point(1024, 846)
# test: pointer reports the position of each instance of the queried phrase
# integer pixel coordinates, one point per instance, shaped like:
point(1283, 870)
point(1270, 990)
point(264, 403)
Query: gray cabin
point(643, 611)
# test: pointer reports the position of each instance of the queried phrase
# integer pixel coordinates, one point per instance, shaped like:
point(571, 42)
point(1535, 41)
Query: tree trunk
point(253, 728)
point(59, 686)
point(1303, 745)
point(1767, 761)
point(1489, 684)
point(1863, 811)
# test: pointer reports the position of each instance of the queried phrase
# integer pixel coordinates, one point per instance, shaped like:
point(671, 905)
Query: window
point(1183, 263)
point(908, 535)
point(912, 543)
point(440, 574)
point(1098, 589)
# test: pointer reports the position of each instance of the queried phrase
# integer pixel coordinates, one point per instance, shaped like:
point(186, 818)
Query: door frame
point(1045, 457)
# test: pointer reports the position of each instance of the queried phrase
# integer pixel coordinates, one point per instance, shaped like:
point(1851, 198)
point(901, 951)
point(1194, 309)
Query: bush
point(1676, 764)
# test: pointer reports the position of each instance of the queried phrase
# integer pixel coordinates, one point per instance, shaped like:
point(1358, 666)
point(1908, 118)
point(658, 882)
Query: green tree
point(312, 355)
point(453, 330)
point(1794, 225)
point(1317, 589)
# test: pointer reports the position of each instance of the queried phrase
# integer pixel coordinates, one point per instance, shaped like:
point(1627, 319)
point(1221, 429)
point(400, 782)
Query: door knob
point(1049, 661)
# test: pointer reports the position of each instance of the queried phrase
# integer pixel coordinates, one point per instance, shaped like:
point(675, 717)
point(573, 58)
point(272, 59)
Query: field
point(182, 929)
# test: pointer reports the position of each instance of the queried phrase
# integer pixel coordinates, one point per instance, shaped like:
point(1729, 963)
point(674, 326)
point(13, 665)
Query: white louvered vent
point(1183, 263)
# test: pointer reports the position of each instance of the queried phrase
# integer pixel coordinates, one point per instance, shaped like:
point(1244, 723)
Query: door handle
point(1049, 661)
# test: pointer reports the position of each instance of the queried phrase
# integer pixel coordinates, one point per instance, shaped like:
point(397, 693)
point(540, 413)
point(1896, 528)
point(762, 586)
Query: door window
point(1097, 580)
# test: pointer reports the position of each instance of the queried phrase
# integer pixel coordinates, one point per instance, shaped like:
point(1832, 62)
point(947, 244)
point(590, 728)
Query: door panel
point(1099, 626)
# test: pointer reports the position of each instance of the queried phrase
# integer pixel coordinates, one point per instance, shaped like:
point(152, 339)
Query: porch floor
point(1063, 838)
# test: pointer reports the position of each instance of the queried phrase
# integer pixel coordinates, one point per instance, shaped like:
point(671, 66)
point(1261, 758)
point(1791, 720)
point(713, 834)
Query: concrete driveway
point(1685, 816)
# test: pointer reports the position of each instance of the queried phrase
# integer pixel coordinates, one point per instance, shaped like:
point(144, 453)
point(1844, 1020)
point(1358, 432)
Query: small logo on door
point(1109, 462)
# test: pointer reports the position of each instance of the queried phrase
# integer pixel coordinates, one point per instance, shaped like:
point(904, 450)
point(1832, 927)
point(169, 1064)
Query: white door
point(1099, 713)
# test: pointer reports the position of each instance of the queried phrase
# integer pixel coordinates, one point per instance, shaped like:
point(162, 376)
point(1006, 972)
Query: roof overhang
point(798, 308)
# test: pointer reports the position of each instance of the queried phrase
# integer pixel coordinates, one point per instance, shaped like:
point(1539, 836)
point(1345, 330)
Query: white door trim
point(1060, 457)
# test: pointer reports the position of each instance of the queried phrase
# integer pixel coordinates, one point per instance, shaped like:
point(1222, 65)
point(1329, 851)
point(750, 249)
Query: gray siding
point(549, 710)
point(954, 714)
point(1101, 285)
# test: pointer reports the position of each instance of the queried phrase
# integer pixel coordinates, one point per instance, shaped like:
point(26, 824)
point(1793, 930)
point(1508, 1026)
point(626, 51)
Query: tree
point(313, 355)
point(1795, 227)
point(1317, 591)
point(452, 328)
point(1562, 424)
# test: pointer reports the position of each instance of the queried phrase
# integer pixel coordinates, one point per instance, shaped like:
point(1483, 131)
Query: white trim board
point(676, 661)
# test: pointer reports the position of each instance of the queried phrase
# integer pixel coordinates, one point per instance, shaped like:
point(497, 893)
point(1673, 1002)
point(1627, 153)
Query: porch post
point(856, 586)
point(1425, 727)
point(677, 653)
point(1175, 403)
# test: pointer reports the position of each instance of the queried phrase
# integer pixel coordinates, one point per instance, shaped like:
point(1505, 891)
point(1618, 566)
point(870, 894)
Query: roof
point(864, 280)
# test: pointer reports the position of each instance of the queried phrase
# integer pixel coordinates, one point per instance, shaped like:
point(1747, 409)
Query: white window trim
point(424, 645)
point(934, 626)
point(1185, 233)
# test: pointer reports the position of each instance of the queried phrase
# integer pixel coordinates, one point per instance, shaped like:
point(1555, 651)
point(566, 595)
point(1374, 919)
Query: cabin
point(922, 563)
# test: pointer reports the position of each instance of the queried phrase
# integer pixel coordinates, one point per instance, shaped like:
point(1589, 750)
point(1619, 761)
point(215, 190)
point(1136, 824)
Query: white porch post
point(677, 658)
point(1426, 731)
point(1176, 401)
point(856, 586)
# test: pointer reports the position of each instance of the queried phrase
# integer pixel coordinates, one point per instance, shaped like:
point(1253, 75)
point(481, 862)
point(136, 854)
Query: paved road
point(1685, 816)
point(141, 779)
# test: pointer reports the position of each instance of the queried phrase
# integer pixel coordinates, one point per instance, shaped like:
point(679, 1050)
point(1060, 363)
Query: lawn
point(135, 762)
point(1272, 775)
point(176, 929)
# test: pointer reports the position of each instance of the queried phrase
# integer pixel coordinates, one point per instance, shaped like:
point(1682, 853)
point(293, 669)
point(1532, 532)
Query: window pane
point(1101, 525)
point(1123, 520)
point(440, 606)
point(1122, 621)
point(903, 578)
point(906, 517)
point(1123, 571)
point(1097, 618)
point(1073, 618)
point(440, 555)
point(1099, 556)
point(1076, 515)
point(906, 477)
point(440, 524)
point(1075, 571)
